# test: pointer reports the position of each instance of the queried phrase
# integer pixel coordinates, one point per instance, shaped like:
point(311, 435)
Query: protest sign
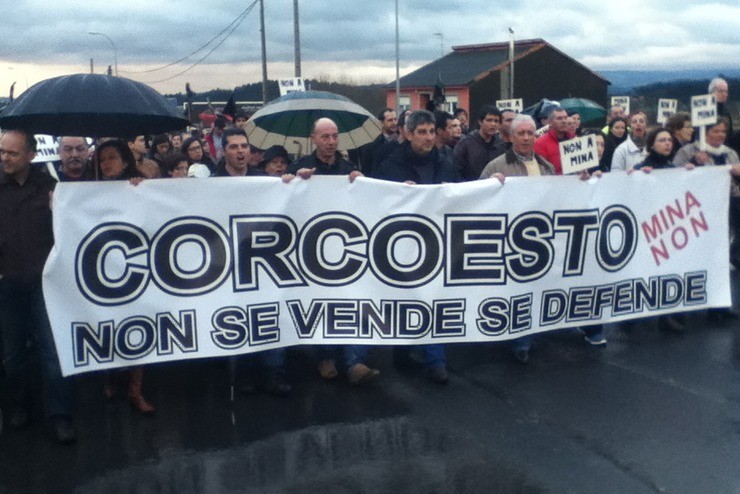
point(703, 110)
point(516, 105)
point(181, 269)
point(47, 149)
point(666, 108)
point(703, 113)
point(292, 85)
point(623, 101)
point(578, 154)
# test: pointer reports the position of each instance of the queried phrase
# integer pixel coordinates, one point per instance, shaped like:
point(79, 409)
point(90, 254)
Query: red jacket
point(548, 146)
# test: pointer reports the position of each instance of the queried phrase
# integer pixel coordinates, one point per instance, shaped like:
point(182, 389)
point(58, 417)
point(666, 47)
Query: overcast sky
point(349, 39)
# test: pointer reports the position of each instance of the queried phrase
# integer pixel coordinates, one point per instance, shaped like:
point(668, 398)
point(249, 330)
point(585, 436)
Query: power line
point(232, 25)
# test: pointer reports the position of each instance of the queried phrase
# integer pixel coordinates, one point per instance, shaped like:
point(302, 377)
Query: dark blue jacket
point(402, 164)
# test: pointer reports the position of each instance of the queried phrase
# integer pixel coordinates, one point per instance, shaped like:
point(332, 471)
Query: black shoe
point(275, 384)
point(675, 323)
point(722, 314)
point(438, 374)
point(20, 418)
point(521, 356)
point(63, 430)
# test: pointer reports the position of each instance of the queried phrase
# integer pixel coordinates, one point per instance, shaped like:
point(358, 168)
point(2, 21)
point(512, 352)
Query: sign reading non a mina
point(666, 108)
point(292, 85)
point(623, 101)
point(516, 105)
point(578, 154)
point(47, 149)
point(703, 110)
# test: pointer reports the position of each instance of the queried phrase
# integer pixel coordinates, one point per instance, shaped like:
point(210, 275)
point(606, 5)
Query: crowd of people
point(415, 147)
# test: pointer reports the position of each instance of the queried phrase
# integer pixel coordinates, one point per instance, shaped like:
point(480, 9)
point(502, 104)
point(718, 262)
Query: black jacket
point(340, 166)
point(26, 235)
point(403, 165)
point(656, 161)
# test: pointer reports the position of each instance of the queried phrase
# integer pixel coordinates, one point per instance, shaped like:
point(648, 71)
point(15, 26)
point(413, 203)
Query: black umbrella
point(91, 105)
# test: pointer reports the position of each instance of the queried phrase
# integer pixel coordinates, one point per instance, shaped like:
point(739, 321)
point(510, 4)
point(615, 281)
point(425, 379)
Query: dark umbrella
point(288, 121)
point(91, 105)
point(539, 109)
point(590, 111)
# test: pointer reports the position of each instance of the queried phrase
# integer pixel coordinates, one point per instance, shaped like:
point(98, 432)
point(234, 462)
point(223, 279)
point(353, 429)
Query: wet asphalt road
point(653, 412)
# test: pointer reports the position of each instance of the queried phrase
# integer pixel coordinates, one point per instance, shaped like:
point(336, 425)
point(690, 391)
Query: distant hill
point(371, 97)
point(624, 81)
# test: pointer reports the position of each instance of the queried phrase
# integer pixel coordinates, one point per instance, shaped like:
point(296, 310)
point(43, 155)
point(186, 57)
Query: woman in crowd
point(679, 125)
point(117, 162)
point(717, 153)
point(616, 135)
point(275, 161)
point(176, 165)
point(159, 150)
point(632, 150)
point(659, 145)
point(193, 148)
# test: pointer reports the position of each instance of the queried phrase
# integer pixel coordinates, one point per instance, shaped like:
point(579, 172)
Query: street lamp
point(441, 44)
point(21, 73)
point(115, 49)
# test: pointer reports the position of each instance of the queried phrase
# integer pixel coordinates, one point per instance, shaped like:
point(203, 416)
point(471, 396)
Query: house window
point(404, 103)
point(451, 103)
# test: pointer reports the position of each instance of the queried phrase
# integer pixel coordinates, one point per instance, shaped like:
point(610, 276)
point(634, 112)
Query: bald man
point(325, 159)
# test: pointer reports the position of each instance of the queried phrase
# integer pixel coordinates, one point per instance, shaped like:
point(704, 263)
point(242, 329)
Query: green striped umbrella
point(589, 110)
point(288, 121)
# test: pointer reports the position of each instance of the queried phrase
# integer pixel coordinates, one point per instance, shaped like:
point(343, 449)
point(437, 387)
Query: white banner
point(176, 268)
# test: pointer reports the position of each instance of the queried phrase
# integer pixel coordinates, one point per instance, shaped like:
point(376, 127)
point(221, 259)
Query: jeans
point(27, 342)
point(525, 342)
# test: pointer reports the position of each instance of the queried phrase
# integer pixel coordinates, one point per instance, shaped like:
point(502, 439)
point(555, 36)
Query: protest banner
point(181, 269)
point(666, 108)
point(623, 101)
point(578, 154)
point(516, 105)
point(703, 112)
point(291, 85)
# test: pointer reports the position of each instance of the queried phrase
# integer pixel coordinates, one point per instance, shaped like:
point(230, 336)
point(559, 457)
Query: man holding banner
point(473, 152)
point(522, 160)
point(548, 145)
point(417, 161)
point(26, 233)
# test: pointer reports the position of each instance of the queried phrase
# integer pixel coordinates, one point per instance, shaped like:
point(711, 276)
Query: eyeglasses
point(195, 148)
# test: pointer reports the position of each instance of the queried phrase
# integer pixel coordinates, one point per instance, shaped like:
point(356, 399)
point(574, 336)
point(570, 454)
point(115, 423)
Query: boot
point(134, 392)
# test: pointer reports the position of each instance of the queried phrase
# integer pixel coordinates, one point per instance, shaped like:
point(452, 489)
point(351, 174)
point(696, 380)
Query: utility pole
point(264, 52)
point(398, 67)
point(441, 44)
point(511, 64)
point(297, 39)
